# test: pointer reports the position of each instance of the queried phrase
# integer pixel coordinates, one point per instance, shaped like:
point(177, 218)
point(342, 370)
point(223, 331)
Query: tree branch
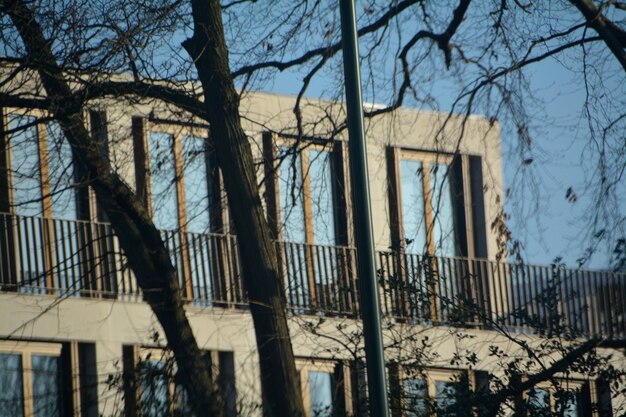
point(329, 51)
point(613, 36)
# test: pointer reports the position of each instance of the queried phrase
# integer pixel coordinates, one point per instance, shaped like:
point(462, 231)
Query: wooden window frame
point(426, 159)
point(142, 128)
point(571, 385)
point(466, 187)
point(7, 198)
point(69, 355)
point(341, 381)
point(398, 375)
point(177, 133)
point(337, 153)
point(133, 355)
point(342, 219)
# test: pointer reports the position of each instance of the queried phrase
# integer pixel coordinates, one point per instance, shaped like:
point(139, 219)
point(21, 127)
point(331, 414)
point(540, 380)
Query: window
point(426, 204)
point(436, 216)
point(325, 387)
point(159, 393)
point(436, 203)
point(43, 177)
point(178, 171)
point(177, 176)
point(30, 380)
point(306, 201)
point(307, 196)
point(430, 393)
point(42, 198)
point(564, 400)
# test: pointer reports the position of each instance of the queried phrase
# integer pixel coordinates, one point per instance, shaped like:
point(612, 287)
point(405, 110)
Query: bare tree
point(76, 51)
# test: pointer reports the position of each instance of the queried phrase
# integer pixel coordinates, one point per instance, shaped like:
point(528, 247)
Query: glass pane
point(567, 404)
point(196, 185)
point(11, 395)
point(445, 393)
point(538, 402)
point(61, 174)
point(292, 211)
point(415, 398)
point(154, 388)
point(181, 402)
point(63, 195)
point(321, 177)
point(321, 394)
point(291, 198)
point(26, 184)
point(46, 384)
point(441, 201)
point(163, 180)
point(412, 186)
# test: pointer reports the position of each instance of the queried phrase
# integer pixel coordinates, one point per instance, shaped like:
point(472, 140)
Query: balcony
point(84, 259)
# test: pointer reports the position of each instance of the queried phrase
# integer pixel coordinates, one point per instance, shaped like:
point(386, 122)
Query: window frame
point(571, 385)
point(341, 383)
point(26, 350)
point(399, 373)
point(133, 355)
point(337, 159)
point(45, 218)
point(467, 190)
point(177, 133)
point(465, 175)
point(427, 159)
point(318, 294)
point(218, 220)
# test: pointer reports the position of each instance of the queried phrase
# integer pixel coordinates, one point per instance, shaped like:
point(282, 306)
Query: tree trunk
point(147, 255)
point(207, 47)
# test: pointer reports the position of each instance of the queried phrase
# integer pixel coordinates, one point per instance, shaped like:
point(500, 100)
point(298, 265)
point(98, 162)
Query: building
point(76, 339)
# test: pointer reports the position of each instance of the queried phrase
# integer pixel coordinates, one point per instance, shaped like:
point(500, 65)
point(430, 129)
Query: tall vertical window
point(427, 204)
point(307, 196)
point(25, 166)
point(307, 203)
point(178, 169)
point(196, 184)
point(163, 180)
point(61, 175)
point(42, 169)
point(41, 181)
point(173, 176)
point(436, 203)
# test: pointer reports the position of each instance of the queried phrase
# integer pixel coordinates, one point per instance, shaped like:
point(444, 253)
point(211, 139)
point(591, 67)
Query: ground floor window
point(30, 380)
point(564, 398)
point(325, 387)
point(154, 389)
point(432, 392)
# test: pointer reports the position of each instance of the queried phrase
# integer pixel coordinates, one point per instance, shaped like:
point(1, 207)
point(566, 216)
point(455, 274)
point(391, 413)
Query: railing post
point(8, 253)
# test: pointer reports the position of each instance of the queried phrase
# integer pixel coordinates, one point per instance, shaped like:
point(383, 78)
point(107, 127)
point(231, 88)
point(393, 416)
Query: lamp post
point(368, 283)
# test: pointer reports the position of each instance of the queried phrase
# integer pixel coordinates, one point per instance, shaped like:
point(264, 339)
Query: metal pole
point(368, 283)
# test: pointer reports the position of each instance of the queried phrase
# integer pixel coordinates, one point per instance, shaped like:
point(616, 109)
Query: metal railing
point(84, 259)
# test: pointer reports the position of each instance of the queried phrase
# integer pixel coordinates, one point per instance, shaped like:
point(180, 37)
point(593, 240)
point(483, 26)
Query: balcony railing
point(84, 259)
